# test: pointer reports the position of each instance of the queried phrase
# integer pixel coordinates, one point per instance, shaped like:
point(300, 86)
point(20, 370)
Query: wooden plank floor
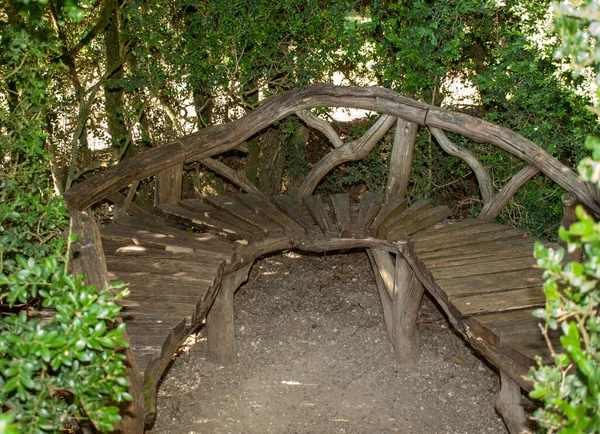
point(487, 275)
point(169, 274)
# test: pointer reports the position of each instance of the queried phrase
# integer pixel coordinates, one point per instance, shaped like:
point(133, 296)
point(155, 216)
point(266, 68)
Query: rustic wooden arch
point(401, 290)
point(215, 140)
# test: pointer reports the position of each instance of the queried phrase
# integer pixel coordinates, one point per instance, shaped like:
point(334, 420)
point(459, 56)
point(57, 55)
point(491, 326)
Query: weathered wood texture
point(212, 141)
point(351, 151)
point(486, 187)
point(569, 205)
point(87, 257)
point(168, 185)
point(482, 274)
point(401, 159)
point(238, 178)
point(320, 125)
point(401, 302)
point(508, 404)
point(220, 327)
point(494, 205)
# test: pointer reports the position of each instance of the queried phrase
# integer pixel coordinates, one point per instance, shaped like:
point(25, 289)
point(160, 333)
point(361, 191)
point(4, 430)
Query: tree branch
point(485, 183)
point(320, 125)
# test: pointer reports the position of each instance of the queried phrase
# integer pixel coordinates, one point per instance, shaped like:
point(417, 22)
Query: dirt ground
point(314, 358)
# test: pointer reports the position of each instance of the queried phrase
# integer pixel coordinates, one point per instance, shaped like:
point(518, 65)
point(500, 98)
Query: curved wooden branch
point(215, 140)
point(237, 178)
point(493, 207)
point(320, 125)
point(486, 188)
point(351, 151)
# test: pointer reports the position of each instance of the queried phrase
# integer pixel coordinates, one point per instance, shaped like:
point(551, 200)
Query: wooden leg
point(508, 404)
point(401, 292)
point(386, 299)
point(220, 327)
point(219, 322)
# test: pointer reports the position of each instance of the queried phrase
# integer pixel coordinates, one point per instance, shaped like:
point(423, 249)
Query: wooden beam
point(168, 185)
point(401, 302)
point(320, 125)
point(401, 159)
point(569, 206)
point(508, 404)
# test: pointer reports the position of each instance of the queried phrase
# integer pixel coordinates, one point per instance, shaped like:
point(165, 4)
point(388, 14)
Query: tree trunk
point(113, 91)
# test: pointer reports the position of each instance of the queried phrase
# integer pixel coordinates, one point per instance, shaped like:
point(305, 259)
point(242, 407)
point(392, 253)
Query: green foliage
point(570, 389)
point(57, 335)
point(506, 51)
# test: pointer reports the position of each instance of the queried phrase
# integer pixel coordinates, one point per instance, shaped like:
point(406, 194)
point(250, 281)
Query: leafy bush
point(570, 389)
point(57, 335)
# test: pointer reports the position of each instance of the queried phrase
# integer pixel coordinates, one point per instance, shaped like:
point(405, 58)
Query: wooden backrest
point(406, 114)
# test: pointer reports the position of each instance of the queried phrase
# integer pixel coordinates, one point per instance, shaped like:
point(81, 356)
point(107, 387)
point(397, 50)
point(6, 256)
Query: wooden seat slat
point(418, 207)
point(129, 252)
point(418, 221)
point(518, 246)
point(514, 299)
point(267, 209)
point(341, 212)
point(295, 210)
point(485, 283)
point(321, 214)
point(457, 231)
point(122, 234)
point(354, 210)
point(238, 209)
point(227, 221)
point(391, 208)
point(507, 328)
point(199, 215)
point(525, 353)
point(486, 267)
point(456, 239)
point(369, 206)
point(480, 256)
point(164, 266)
point(447, 226)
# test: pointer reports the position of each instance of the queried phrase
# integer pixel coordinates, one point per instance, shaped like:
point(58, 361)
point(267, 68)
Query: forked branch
point(237, 178)
point(493, 207)
point(486, 187)
point(320, 125)
point(351, 151)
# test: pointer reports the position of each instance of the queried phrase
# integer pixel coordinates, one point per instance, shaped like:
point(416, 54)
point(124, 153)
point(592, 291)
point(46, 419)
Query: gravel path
point(314, 358)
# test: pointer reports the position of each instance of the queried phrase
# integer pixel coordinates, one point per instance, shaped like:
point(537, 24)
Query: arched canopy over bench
point(482, 274)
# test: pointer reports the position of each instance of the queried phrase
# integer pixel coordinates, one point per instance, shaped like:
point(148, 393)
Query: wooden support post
point(508, 404)
point(219, 322)
point(401, 159)
point(401, 302)
point(168, 185)
point(386, 299)
point(569, 205)
point(87, 257)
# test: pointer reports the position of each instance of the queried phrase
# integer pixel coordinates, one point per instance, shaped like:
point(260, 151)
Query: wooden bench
point(482, 274)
